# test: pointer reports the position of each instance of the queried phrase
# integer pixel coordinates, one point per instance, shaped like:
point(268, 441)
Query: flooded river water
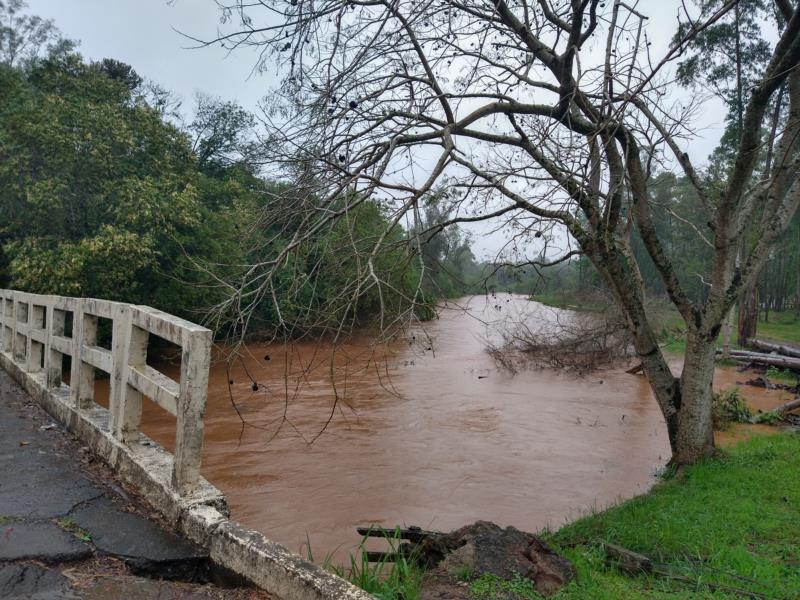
point(427, 432)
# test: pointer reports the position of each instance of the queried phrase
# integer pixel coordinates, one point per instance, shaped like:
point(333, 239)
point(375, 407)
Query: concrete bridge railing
point(37, 331)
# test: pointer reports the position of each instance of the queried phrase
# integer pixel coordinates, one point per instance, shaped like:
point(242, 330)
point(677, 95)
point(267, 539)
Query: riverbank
point(731, 521)
point(724, 528)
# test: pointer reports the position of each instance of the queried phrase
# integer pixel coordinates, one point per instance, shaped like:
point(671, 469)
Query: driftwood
point(789, 406)
point(763, 382)
point(384, 557)
point(414, 536)
point(629, 561)
point(637, 369)
point(773, 360)
point(778, 348)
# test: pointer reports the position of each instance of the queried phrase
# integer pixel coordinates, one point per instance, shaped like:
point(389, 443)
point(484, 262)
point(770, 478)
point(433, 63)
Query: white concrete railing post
point(195, 361)
point(84, 333)
point(17, 344)
point(37, 337)
point(129, 351)
point(53, 359)
point(6, 314)
point(33, 335)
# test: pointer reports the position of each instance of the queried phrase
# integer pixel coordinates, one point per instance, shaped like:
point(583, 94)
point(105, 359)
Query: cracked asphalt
point(68, 530)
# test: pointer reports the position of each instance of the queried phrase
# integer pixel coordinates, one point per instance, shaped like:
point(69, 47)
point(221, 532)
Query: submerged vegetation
point(729, 406)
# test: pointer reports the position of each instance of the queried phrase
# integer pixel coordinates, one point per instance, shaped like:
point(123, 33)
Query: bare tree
point(550, 115)
point(24, 37)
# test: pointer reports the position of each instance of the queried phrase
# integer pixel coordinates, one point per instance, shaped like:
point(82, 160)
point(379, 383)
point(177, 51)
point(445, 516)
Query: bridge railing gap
point(33, 332)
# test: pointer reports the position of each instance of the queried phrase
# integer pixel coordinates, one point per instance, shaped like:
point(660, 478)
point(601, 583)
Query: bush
point(729, 406)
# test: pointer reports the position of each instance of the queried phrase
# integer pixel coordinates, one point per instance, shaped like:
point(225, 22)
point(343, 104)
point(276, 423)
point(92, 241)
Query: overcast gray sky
point(143, 34)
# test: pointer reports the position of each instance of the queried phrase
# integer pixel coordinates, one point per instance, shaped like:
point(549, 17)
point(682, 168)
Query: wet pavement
point(68, 530)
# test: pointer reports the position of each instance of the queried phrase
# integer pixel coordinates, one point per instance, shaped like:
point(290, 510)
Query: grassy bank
point(733, 521)
point(781, 327)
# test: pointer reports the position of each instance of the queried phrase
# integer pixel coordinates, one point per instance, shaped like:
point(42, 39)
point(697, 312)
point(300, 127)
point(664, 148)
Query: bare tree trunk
point(686, 402)
point(727, 333)
point(797, 278)
point(695, 439)
point(748, 314)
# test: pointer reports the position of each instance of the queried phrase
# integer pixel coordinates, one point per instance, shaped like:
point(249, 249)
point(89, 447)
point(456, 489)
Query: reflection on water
point(426, 432)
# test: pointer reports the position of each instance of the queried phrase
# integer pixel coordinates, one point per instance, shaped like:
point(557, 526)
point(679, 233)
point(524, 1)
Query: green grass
point(733, 520)
point(776, 375)
point(782, 327)
point(587, 302)
point(400, 579)
point(670, 328)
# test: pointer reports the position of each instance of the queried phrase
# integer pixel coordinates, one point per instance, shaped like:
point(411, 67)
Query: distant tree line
point(677, 218)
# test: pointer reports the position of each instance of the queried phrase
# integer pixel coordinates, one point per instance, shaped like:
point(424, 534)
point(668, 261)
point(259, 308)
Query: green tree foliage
point(450, 269)
point(727, 58)
point(319, 289)
point(102, 196)
point(223, 135)
point(99, 196)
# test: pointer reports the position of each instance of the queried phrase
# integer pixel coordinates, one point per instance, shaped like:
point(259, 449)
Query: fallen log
point(627, 560)
point(773, 360)
point(783, 349)
point(789, 406)
point(385, 557)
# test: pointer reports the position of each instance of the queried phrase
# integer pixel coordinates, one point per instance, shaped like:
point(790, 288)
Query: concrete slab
point(55, 495)
point(33, 582)
point(141, 543)
point(43, 542)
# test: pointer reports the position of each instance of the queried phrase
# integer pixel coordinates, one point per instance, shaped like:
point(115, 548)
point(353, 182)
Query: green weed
point(465, 573)
point(69, 524)
point(400, 579)
point(771, 417)
point(729, 406)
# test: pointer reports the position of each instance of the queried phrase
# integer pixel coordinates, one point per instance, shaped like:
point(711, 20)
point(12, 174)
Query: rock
point(507, 553)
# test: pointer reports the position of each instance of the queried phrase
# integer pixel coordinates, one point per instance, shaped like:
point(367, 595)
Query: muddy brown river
point(427, 431)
